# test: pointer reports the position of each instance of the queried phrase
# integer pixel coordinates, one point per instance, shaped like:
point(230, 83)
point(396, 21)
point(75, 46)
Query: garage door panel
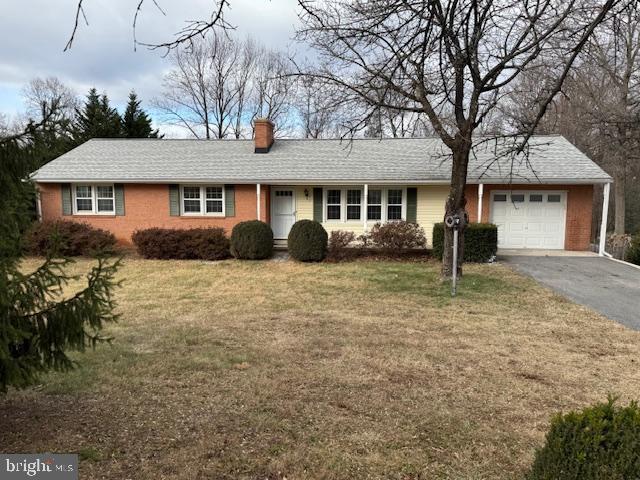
point(535, 222)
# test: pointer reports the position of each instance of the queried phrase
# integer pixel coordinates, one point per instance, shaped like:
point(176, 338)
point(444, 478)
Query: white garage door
point(529, 219)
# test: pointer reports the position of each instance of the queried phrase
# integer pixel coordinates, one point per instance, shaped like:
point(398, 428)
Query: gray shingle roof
point(410, 160)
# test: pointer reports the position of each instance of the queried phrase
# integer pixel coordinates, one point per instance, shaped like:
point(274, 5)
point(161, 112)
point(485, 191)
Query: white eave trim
point(399, 181)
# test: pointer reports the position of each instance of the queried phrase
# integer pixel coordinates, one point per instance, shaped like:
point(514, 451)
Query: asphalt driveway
point(608, 287)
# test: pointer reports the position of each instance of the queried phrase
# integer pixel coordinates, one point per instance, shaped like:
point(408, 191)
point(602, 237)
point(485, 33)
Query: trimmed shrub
point(252, 240)
point(600, 442)
point(340, 246)
point(68, 238)
point(188, 244)
point(307, 241)
point(394, 236)
point(633, 253)
point(480, 242)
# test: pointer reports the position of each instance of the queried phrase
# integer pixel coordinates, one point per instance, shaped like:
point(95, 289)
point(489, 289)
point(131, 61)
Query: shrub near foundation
point(252, 240)
point(480, 242)
point(187, 244)
point(68, 238)
point(307, 241)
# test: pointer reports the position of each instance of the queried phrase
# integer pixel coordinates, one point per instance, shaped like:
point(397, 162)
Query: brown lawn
point(242, 370)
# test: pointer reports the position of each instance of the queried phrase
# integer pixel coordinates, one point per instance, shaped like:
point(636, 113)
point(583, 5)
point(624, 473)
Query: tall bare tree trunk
point(456, 205)
point(619, 201)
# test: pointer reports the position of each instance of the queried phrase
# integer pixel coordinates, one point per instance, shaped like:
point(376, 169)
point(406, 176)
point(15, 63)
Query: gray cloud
point(34, 33)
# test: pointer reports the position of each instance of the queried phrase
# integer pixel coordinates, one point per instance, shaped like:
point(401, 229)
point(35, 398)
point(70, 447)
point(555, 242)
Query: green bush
point(480, 241)
point(182, 244)
point(633, 254)
point(307, 241)
point(599, 443)
point(252, 240)
point(68, 238)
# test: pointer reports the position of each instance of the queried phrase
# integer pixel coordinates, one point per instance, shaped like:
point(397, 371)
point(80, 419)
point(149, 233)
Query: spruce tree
point(96, 119)
point(135, 121)
point(37, 326)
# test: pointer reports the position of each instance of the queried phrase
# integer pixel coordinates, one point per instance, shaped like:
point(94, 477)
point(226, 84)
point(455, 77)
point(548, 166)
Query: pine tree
point(96, 119)
point(37, 329)
point(135, 121)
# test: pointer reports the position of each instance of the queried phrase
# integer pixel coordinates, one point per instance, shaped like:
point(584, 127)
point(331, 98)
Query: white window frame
point(203, 201)
point(403, 204)
point(326, 204)
point(364, 203)
point(381, 205)
point(94, 199)
point(347, 204)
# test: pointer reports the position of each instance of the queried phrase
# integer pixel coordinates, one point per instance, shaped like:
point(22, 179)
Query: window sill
point(94, 215)
point(202, 216)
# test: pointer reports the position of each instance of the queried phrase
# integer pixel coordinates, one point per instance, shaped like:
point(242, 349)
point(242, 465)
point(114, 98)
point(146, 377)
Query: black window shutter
point(317, 204)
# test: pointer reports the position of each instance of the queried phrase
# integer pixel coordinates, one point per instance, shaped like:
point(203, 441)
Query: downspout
point(258, 201)
point(366, 204)
point(603, 224)
point(480, 195)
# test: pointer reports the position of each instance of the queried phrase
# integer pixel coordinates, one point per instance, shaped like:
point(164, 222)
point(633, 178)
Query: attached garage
point(530, 219)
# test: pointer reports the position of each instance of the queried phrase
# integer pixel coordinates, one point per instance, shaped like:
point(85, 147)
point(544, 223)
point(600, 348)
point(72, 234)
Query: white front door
point(529, 219)
point(283, 211)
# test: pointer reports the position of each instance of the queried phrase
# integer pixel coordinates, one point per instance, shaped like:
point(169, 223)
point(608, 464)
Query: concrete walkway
point(609, 287)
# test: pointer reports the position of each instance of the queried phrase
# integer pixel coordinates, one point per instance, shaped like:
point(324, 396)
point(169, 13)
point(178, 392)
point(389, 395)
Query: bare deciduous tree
point(273, 90)
point(185, 99)
point(451, 61)
point(49, 98)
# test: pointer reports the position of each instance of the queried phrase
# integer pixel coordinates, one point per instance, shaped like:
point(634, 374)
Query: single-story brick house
point(123, 185)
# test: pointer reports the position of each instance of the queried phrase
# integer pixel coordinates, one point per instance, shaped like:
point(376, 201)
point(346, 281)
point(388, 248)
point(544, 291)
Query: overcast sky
point(34, 33)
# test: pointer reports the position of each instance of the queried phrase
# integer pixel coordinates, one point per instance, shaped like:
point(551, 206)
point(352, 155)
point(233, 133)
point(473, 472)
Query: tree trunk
point(619, 202)
point(456, 203)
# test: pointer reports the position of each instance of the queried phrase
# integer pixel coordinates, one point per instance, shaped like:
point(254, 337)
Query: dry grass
point(361, 370)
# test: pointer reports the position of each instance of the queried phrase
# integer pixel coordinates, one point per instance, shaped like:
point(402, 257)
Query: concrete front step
point(280, 244)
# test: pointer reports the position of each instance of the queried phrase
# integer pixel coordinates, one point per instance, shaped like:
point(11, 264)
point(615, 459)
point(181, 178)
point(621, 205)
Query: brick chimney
point(263, 135)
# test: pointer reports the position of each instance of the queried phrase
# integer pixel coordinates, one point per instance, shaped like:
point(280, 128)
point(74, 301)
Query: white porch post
point(605, 214)
point(480, 194)
point(258, 200)
point(365, 203)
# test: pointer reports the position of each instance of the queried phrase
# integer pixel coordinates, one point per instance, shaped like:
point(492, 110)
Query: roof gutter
point(485, 181)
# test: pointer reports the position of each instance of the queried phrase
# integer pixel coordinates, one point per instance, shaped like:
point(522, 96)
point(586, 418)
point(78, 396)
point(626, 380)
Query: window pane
point(374, 212)
point(333, 212)
point(192, 206)
point(214, 206)
point(104, 192)
point(394, 197)
point(353, 212)
point(394, 212)
point(353, 197)
point(375, 197)
point(84, 204)
point(500, 197)
point(518, 198)
point(105, 205)
point(191, 192)
point(214, 192)
point(333, 197)
point(553, 198)
point(83, 191)
point(535, 198)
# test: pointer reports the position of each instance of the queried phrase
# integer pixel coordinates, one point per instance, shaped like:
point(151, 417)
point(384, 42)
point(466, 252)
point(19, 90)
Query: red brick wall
point(147, 205)
point(579, 209)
